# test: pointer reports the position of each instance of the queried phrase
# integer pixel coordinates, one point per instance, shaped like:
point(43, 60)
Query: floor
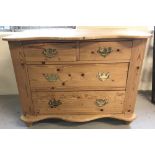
point(145, 110)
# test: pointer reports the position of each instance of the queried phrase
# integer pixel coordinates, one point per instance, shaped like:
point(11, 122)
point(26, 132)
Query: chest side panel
point(22, 78)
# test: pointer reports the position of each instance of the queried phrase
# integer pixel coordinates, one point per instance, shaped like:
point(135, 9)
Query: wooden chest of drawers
point(81, 76)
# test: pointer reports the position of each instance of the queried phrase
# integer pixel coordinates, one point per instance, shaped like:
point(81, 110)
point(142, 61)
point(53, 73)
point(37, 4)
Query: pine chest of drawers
point(78, 75)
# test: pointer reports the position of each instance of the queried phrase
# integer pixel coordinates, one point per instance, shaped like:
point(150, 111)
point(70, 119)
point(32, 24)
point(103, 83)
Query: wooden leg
point(29, 124)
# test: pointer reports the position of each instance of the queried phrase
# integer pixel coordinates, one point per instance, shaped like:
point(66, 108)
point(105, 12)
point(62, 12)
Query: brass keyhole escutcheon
point(54, 103)
point(102, 76)
point(50, 52)
point(51, 77)
point(101, 102)
point(103, 51)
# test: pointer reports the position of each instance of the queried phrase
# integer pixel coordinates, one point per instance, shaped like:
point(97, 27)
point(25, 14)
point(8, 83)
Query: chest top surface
point(78, 34)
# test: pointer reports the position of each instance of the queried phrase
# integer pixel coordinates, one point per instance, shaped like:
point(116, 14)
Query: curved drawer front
point(107, 51)
point(86, 102)
point(78, 77)
point(50, 52)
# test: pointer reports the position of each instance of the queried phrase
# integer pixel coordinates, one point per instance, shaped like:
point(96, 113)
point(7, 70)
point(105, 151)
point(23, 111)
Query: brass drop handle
point(101, 102)
point(102, 76)
point(51, 77)
point(53, 103)
point(49, 52)
point(103, 51)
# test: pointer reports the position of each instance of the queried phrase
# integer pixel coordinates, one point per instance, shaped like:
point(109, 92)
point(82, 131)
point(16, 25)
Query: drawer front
point(114, 51)
point(50, 52)
point(86, 102)
point(79, 77)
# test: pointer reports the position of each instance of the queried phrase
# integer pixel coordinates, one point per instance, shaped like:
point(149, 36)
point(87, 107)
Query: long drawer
point(50, 52)
point(85, 102)
point(78, 77)
point(106, 51)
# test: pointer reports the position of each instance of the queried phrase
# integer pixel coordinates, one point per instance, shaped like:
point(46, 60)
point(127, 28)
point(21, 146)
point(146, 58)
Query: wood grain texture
point(134, 74)
point(21, 77)
point(75, 62)
point(77, 67)
point(79, 102)
point(78, 34)
point(65, 52)
point(120, 51)
point(78, 77)
point(77, 118)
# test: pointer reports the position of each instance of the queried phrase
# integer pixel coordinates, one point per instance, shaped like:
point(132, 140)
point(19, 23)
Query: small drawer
point(106, 51)
point(78, 77)
point(47, 52)
point(86, 102)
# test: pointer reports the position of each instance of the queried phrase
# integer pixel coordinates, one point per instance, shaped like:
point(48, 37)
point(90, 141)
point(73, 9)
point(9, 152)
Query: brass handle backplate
point(102, 76)
point(101, 102)
point(51, 77)
point(50, 52)
point(54, 103)
point(103, 51)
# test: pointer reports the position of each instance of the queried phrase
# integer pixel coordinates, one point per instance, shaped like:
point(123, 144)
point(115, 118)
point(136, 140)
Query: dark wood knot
point(63, 83)
point(82, 74)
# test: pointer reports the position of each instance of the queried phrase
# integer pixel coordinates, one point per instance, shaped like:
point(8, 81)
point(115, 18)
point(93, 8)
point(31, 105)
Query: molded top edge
point(78, 34)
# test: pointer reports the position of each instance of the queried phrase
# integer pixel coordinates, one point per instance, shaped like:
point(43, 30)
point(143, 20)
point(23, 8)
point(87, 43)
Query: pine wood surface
point(30, 119)
point(120, 50)
point(134, 74)
point(65, 52)
point(78, 77)
point(21, 77)
point(83, 102)
point(78, 34)
point(77, 65)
